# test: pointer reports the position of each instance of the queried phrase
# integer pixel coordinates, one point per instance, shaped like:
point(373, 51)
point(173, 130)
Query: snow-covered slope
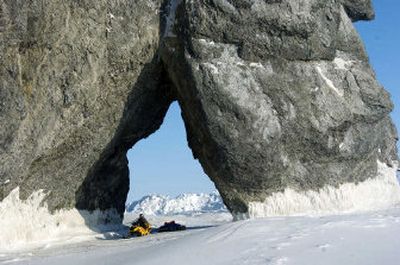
point(185, 204)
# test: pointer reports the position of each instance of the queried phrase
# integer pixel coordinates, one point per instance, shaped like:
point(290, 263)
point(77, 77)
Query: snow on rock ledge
point(28, 223)
point(372, 194)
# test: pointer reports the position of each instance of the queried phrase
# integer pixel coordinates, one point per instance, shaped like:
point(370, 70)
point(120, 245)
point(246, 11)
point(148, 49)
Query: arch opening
point(162, 169)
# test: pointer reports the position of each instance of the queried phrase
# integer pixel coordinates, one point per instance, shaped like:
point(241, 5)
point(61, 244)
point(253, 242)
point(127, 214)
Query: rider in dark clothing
point(141, 221)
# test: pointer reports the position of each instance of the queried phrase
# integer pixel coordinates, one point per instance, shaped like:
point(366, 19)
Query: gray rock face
point(278, 94)
point(274, 94)
point(80, 84)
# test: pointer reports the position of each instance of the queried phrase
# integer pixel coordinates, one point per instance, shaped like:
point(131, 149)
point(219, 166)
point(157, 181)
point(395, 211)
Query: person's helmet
point(141, 215)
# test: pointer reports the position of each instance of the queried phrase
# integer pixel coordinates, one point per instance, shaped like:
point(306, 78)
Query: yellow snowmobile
point(137, 230)
point(141, 227)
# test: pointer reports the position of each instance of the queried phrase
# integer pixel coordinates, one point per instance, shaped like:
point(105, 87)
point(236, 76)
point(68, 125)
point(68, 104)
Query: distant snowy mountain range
point(185, 204)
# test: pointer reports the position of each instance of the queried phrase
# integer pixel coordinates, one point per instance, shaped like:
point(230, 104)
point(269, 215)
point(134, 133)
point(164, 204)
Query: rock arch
point(275, 108)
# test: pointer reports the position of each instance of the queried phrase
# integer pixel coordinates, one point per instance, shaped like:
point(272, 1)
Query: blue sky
point(382, 40)
point(163, 162)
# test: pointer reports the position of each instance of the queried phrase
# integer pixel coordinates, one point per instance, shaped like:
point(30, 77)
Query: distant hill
point(186, 204)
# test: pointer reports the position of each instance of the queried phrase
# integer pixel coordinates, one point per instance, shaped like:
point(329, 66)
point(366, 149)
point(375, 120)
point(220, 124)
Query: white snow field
point(30, 235)
point(364, 238)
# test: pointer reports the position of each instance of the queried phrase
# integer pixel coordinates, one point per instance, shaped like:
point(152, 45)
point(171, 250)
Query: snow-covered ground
point(211, 238)
point(365, 238)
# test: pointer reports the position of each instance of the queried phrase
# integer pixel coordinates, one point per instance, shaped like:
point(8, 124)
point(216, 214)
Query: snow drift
point(184, 204)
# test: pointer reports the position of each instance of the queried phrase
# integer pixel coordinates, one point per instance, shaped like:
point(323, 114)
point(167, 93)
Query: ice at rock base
point(27, 223)
point(373, 194)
